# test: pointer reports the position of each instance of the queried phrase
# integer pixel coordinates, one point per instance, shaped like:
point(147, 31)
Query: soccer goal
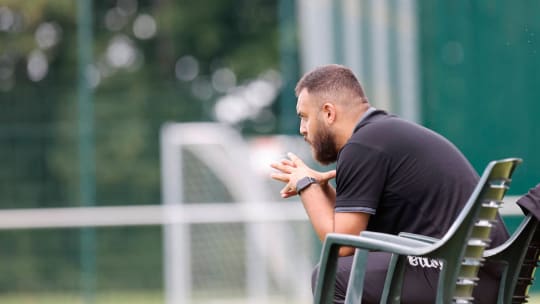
point(249, 245)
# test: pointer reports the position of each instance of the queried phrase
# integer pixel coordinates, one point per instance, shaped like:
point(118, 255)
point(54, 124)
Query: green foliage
point(132, 98)
point(40, 118)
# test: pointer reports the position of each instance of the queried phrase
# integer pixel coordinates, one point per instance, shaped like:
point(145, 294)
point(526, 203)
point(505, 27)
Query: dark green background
point(484, 96)
point(478, 63)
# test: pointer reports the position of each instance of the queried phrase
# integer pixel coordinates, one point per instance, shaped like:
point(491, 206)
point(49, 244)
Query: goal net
point(255, 247)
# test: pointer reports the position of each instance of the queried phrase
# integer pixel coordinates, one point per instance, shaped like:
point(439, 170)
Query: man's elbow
point(346, 251)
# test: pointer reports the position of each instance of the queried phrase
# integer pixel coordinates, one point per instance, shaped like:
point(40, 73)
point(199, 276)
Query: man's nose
point(303, 130)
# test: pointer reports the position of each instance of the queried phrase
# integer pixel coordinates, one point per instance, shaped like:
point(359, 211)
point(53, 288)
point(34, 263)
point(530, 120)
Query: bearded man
point(391, 176)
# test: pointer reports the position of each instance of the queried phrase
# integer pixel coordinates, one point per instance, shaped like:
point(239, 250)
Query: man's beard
point(324, 146)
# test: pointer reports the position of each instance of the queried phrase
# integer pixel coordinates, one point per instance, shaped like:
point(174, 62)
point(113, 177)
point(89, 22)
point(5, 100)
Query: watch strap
point(304, 182)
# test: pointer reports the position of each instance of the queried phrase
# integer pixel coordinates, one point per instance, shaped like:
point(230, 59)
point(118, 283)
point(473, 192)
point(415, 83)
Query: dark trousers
point(419, 286)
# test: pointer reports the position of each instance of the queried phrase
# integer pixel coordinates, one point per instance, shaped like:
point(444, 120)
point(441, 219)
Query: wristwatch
point(304, 182)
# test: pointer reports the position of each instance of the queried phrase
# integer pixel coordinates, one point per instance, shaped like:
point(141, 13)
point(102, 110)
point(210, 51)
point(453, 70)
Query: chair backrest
point(519, 254)
point(525, 277)
point(463, 246)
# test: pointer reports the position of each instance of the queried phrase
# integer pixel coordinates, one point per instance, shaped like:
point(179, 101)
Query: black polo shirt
point(409, 178)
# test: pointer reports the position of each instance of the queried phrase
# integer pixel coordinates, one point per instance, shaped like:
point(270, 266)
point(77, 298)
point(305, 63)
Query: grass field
point(65, 298)
point(132, 298)
point(120, 298)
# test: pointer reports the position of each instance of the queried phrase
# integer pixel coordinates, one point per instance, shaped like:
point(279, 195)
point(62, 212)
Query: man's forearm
point(330, 193)
point(319, 201)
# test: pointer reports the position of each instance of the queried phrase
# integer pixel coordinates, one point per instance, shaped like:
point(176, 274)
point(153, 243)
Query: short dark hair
point(328, 78)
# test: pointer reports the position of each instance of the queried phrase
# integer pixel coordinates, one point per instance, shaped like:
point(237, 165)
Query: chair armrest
point(371, 241)
point(378, 242)
point(408, 239)
point(418, 237)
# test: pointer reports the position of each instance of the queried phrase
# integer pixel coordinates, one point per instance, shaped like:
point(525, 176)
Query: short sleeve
point(530, 202)
point(360, 178)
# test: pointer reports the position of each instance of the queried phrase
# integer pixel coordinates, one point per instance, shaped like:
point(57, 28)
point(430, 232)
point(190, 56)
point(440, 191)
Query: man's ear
point(329, 112)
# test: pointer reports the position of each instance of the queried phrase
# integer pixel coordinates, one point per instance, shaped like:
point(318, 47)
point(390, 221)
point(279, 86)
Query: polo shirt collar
point(368, 113)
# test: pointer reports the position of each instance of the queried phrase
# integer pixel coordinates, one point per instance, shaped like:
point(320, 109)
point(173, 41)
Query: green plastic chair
point(519, 257)
point(519, 254)
point(461, 248)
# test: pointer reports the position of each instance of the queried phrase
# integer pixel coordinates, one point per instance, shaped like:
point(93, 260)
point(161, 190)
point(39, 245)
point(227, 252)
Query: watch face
point(302, 183)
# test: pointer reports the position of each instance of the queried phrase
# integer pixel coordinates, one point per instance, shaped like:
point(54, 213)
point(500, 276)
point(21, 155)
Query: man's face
point(315, 130)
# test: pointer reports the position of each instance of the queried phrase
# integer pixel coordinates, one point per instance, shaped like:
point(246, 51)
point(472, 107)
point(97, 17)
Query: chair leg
point(356, 279)
point(503, 286)
point(394, 280)
point(324, 290)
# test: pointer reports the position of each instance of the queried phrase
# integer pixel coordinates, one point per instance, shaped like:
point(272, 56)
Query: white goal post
point(227, 154)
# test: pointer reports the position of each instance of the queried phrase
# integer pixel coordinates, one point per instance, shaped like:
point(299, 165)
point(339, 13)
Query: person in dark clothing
point(391, 176)
point(530, 202)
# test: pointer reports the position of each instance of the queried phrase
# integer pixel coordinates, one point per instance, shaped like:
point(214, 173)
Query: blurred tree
point(154, 61)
